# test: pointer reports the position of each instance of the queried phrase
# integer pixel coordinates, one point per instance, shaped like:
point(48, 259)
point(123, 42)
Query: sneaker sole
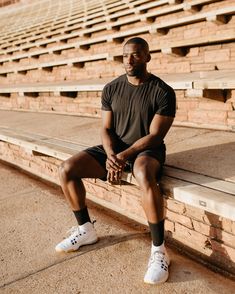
point(160, 282)
point(156, 283)
point(59, 250)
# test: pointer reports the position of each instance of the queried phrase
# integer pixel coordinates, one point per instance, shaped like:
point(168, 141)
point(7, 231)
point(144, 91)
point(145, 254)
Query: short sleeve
point(106, 99)
point(167, 103)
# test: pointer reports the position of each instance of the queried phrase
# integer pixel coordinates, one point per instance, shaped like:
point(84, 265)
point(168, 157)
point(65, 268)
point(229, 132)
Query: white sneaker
point(159, 261)
point(81, 235)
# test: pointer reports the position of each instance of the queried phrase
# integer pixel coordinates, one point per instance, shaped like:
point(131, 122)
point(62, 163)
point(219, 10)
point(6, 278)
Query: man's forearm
point(147, 142)
point(108, 141)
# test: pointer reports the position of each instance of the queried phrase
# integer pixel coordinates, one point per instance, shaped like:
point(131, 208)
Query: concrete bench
point(178, 22)
point(27, 11)
point(151, 29)
point(197, 80)
point(218, 15)
point(182, 81)
point(213, 195)
point(111, 23)
point(173, 47)
point(128, 10)
point(224, 81)
point(40, 19)
point(159, 27)
point(95, 17)
point(108, 23)
point(90, 13)
point(79, 61)
point(178, 47)
point(86, 85)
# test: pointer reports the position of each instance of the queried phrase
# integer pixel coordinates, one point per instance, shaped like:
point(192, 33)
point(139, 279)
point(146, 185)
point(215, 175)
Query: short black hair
point(139, 41)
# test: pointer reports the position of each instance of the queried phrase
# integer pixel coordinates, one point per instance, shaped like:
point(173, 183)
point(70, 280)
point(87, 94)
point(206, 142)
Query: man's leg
point(71, 172)
point(81, 165)
point(146, 170)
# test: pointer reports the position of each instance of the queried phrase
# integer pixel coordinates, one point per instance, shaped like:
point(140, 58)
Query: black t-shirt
point(134, 107)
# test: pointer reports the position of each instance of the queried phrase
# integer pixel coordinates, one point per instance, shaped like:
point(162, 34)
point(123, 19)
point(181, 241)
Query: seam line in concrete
point(12, 195)
point(101, 245)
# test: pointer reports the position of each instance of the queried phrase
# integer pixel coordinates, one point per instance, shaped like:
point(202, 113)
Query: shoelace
point(159, 258)
point(73, 230)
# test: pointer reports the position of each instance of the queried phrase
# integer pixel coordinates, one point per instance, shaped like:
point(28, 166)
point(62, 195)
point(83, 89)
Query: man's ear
point(148, 58)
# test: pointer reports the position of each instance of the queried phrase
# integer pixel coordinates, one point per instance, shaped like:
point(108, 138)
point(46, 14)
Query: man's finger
point(116, 177)
point(112, 164)
point(119, 175)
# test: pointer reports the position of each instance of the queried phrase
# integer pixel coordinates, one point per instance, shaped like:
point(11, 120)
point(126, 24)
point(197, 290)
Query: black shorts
point(99, 154)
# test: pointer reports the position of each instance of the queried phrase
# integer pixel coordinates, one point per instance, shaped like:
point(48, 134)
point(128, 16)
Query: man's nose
point(130, 59)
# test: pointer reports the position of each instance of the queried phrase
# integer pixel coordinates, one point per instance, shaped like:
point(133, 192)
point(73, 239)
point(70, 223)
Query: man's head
point(136, 56)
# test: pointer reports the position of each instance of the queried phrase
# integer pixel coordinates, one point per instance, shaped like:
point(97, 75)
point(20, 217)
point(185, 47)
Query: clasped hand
point(115, 165)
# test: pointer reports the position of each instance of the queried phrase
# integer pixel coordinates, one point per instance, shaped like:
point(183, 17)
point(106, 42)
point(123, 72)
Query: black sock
point(82, 216)
point(157, 232)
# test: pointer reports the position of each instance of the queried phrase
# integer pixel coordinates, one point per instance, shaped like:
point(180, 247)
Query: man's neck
point(138, 80)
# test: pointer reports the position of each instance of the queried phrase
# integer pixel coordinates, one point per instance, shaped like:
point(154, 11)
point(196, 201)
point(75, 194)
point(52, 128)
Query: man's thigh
point(88, 165)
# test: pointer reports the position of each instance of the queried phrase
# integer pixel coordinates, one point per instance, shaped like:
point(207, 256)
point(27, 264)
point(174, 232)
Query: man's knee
point(144, 176)
point(66, 170)
point(146, 171)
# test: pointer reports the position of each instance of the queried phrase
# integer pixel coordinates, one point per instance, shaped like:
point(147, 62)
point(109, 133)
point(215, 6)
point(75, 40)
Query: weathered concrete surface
point(34, 217)
point(203, 151)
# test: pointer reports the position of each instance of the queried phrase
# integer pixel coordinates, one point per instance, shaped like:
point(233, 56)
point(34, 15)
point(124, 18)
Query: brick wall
point(8, 2)
point(209, 237)
point(200, 58)
point(214, 108)
point(206, 108)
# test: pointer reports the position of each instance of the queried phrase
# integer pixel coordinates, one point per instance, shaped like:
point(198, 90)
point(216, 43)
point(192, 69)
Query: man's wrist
point(126, 154)
point(110, 154)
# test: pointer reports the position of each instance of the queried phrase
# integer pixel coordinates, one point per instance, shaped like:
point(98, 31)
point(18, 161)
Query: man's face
point(134, 59)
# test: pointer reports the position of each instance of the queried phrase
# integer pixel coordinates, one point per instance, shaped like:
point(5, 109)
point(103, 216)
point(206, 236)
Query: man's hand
point(114, 176)
point(114, 165)
point(113, 162)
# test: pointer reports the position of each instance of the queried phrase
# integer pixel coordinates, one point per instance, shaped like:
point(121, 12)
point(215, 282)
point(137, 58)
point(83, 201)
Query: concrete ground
point(35, 216)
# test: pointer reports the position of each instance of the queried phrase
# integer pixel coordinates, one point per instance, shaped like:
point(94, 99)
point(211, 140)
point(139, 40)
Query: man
point(138, 109)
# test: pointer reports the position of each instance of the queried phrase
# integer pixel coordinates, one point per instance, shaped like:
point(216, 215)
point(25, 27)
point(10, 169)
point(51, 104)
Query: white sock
point(158, 248)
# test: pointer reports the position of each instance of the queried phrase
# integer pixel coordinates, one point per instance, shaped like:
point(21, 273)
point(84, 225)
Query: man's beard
point(135, 72)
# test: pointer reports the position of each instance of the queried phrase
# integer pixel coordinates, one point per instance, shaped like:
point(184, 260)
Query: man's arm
point(107, 135)
point(157, 131)
point(114, 165)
